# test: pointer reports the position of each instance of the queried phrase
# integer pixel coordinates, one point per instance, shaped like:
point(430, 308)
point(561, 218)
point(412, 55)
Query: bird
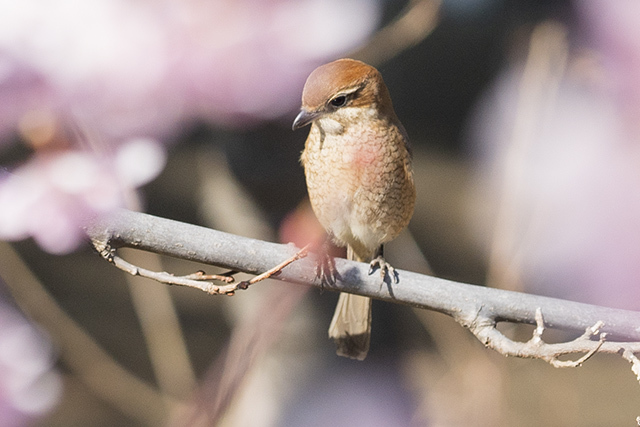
point(359, 175)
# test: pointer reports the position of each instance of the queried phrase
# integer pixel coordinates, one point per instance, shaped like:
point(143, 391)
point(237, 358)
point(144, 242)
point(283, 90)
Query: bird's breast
point(356, 181)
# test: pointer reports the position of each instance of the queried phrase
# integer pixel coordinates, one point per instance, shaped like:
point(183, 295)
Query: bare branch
point(536, 348)
point(196, 280)
point(199, 280)
point(477, 308)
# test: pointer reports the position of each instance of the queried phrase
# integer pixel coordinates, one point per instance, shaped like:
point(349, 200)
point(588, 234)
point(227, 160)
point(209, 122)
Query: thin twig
point(202, 276)
point(484, 329)
point(192, 280)
point(199, 280)
point(272, 272)
point(553, 359)
point(630, 357)
point(585, 337)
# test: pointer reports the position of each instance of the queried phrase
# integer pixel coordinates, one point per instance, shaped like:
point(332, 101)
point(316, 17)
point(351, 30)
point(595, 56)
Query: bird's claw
point(326, 270)
point(385, 268)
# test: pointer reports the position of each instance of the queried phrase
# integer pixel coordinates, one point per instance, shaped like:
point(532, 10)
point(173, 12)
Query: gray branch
point(477, 308)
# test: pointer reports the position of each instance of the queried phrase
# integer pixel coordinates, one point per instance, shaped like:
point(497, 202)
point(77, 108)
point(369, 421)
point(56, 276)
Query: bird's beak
point(304, 118)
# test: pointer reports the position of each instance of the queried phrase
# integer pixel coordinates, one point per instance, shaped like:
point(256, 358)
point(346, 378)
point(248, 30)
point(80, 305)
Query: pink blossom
point(54, 194)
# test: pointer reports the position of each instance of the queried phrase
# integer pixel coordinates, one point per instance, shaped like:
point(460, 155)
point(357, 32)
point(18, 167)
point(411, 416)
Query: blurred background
point(524, 119)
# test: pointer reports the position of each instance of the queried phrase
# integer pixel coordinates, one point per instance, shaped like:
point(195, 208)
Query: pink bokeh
point(118, 70)
point(569, 181)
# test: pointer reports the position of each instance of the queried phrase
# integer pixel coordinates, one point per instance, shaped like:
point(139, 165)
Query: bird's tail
point(351, 324)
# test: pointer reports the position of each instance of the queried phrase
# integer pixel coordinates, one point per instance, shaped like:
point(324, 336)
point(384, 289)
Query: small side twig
point(195, 280)
point(586, 337)
point(302, 253)
point(630, 357)
point(484, 329)
point(202, 276)
point(199, 280)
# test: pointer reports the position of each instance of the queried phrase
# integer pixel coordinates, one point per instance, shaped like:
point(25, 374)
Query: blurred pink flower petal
point(139, 68)
point(123, 69)
point(568, 223)
point(28, 385)
point(52, 196)
point(139, 161)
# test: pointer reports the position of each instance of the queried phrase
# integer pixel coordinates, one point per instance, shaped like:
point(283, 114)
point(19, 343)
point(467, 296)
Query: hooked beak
point(304, 118)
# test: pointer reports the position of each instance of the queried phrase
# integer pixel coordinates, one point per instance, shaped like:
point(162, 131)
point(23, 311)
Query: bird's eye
point(339, 101)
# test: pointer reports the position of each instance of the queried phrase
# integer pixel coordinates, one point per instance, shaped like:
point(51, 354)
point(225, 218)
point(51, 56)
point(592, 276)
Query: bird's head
point(343, 92)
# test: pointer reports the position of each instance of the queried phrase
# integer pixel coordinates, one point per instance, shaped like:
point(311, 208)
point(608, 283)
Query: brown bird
point(357, 163)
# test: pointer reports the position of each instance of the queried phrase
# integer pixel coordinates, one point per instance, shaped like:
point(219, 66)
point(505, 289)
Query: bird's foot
point(385, 268)
point(326, 269)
